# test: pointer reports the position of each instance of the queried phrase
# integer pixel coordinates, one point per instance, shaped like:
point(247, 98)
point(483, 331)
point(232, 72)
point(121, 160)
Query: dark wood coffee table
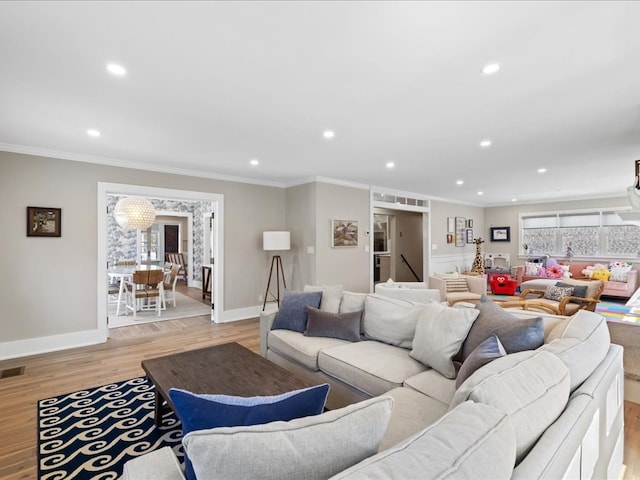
point(228, 369)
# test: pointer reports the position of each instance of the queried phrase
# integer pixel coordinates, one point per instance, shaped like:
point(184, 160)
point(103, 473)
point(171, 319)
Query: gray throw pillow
point(578, 290)
point(556, 293)
point(515, 334)
point(345, 326)
point(292, 314)
point(484, 353)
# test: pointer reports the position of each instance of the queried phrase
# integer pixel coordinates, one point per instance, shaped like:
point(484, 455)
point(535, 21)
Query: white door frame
point(105, 188)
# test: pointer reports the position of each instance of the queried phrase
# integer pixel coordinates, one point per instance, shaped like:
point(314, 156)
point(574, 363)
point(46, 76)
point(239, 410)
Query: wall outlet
point(261, 298)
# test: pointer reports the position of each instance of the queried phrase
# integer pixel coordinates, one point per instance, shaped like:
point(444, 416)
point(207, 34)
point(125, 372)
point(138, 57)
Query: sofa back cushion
point(315, 447)
point(471, 441)
point(352, 302)
point(390, 320)
point(581, 342)
point(532, 387)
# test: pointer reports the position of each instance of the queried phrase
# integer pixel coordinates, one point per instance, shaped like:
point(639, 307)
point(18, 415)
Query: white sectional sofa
point(396, 412)
point(583, 437)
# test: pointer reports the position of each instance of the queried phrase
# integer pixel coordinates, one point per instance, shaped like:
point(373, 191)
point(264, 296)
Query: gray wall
point(301, 222)
point(51, 288)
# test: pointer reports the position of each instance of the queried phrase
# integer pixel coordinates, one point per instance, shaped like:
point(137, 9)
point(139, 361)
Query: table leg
point(157, 408)
point(120, 296)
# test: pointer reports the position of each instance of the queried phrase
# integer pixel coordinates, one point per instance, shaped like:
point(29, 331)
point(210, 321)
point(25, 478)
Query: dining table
point(122, 273)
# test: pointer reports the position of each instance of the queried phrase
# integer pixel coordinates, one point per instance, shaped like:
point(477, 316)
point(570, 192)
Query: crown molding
point(113, 162)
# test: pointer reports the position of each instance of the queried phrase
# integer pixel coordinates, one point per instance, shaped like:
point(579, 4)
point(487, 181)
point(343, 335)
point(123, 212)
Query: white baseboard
point(239, 314)
point(53, 343)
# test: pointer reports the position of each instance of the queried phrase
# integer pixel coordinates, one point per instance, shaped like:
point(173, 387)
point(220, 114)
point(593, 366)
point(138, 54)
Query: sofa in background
point(414, 291)
point(621, 284)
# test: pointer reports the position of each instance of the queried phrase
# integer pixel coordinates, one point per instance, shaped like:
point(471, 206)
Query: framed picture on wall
point(44, 222)
point(344, 233)
point(461, 225)
point(500, 234)
point(469, 235)
point(451, 225)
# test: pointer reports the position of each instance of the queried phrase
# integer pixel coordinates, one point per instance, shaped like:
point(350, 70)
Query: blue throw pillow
point(292, 314)
point(203, 411)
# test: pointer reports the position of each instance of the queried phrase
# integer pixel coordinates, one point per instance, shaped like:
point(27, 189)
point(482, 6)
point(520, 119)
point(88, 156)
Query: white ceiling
point(211, 85)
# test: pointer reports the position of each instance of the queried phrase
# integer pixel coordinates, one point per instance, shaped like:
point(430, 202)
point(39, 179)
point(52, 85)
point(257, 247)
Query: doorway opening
point(169, 215)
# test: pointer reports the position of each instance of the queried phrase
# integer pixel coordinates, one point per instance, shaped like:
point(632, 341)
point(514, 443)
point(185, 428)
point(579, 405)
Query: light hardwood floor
point(119, 359)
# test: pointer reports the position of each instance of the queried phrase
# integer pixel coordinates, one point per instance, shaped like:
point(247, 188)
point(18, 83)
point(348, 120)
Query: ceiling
point(211, 85)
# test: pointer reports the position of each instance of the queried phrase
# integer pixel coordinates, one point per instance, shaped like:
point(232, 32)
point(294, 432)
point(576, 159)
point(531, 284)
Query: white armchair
point(459, 288)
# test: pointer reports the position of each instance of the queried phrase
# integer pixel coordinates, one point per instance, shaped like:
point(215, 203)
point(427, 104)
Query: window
point(579, 234)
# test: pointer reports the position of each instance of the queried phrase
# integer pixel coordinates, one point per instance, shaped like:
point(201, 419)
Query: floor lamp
point(275, 241)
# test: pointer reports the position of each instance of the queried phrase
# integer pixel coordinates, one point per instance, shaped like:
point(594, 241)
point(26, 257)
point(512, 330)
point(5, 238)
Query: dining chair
point(148, 285)
point(178, 258)
point(169, 286)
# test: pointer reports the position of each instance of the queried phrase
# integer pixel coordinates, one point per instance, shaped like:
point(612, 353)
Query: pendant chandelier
point(134, 213)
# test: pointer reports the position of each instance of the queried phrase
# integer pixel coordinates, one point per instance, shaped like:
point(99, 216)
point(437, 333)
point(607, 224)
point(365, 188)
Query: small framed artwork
point(470, 223)
point(344, 233)
point(451, 225)
point(469, 235)
point(450, 239)
point(500, 234)
point(461, 225)
point(44, 222)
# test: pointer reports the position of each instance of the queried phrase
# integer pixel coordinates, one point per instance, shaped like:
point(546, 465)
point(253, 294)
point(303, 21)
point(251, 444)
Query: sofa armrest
point(266, 322)
point(438, 283)
point(632, 281)
point(160, 464)
point(477, 284)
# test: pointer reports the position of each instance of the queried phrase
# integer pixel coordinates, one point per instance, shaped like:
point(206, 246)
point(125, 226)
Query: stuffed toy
point(601, 274)
point(588, 271)
point(554, 271)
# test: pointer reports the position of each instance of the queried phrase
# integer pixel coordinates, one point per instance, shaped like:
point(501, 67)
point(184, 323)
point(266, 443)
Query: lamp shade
point(276, 240)
point(134, 213)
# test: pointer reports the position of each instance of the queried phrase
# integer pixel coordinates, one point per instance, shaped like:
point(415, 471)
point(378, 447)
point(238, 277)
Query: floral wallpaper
point(121, 244)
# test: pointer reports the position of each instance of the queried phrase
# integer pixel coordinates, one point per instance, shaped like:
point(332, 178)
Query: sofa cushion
point(484, 353)
point(292, 314)
point(431, 384)
point(390, 320)
point(471, 441)
point(334, 325)
point(201, 411)
point(515, 334)
point(411, 412)
point(581, 342)
point(304, 350)
point(372, 367)
point(352, 302)
point(315, 447)
point(531, 387)
point(458, 284)
point(331, 296)
point(439, 335)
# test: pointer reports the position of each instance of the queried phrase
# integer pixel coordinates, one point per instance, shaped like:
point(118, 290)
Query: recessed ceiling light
point(460, 182)
point(485, 143)
point(491, 68)
point(116, 69)
point(480, 193)
point(390, 165)
point(254, 161)
point(93, 132)
point(328, 134)
point(542, 170)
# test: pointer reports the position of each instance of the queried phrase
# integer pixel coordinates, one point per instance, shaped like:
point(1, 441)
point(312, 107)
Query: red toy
point(503, 285)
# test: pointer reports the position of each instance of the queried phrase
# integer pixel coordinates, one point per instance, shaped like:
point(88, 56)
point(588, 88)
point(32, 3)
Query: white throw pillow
point(390, 320)
point(309, 448)
point(331, 296)
point(439, 335)
point(352, 302)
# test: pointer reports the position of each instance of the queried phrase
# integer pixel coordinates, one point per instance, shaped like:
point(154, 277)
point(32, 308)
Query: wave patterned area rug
point(92, 433)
